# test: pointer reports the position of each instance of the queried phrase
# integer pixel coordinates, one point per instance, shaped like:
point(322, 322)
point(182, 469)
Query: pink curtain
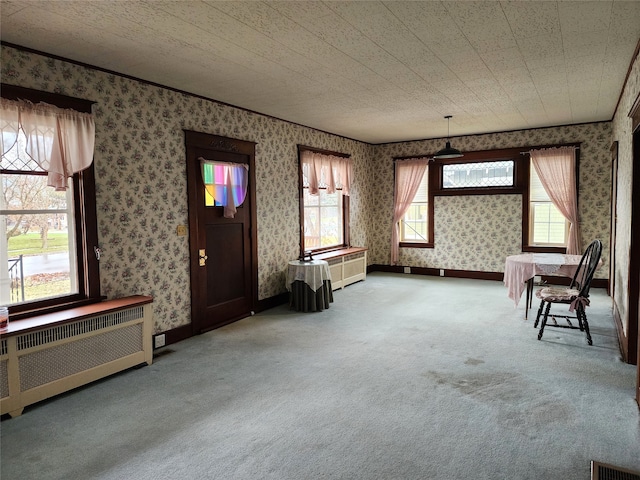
point(556, 168)
point(60, 141)
point(330, 171)
point(408, 177)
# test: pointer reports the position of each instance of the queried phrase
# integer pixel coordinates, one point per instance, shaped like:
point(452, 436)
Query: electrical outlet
point(407, 269)
point(442, 272)
point(159, 341)
point(181, 230)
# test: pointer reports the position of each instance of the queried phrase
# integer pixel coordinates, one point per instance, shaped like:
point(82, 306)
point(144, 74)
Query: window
point(324, 210)
point(474, 175)
point(509, 171)
point(323, 219)
point(547, 226)
point(551, 220)
point(48, 238)
point(487, 172)
point(414, 226)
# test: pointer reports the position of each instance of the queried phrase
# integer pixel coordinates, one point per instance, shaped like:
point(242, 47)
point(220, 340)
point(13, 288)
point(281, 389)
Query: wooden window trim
point(86, 229)
point(345, 204)
point(430, 210)
point(479, 157)
point(526, 161)
point(521, 159)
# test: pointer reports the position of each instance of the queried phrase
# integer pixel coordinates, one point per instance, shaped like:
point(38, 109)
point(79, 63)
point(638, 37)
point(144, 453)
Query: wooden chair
point(576, 295)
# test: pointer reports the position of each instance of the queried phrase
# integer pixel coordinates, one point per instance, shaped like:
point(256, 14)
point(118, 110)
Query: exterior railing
point(16, 276)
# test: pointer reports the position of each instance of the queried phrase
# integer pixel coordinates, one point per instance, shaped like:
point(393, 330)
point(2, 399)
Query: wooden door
point(224, 273)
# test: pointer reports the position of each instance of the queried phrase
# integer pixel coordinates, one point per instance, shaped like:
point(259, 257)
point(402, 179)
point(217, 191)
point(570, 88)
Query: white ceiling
point(372, 71)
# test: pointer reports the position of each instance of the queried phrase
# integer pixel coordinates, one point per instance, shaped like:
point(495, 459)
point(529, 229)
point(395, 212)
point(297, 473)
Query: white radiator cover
point(347, 269)
point(39, 364)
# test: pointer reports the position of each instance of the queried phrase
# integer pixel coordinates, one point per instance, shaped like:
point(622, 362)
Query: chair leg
point(535, 324)
point(581, 312)
point(544, 320)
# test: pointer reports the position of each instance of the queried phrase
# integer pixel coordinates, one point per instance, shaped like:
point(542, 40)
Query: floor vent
point(602, 471)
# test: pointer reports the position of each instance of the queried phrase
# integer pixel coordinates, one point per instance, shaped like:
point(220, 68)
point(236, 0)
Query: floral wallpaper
point(478, 232)
point(142, 188)
point(624, 136)
point(141, 179)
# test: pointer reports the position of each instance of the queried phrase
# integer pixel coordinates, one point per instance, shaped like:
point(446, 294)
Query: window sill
point(52, 308)
point(536, 249)
point(416, 245)
point(19, 325)
point(340, 252)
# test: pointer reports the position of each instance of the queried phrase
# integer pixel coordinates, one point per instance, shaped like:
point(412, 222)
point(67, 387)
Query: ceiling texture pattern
point(368, 70)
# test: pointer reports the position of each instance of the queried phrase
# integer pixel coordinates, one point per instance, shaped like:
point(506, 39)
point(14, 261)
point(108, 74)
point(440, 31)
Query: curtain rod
point(539, 148)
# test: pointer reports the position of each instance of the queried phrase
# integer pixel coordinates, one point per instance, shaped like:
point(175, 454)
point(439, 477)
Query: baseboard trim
point(177, 334)
point(436, 272)
point(474, 274)
point(271, 302)
point(183, 332)
point(623, 344)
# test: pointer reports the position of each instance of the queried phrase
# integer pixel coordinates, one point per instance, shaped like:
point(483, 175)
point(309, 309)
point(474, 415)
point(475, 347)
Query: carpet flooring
point(404, 377)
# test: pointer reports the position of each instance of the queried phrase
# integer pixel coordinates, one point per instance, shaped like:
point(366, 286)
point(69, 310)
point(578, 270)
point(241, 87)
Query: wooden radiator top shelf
point(343, 252)
point(37, 322)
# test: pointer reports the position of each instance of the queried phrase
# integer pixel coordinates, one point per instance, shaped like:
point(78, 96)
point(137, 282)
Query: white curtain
point(556, 168)
point(60, 141)
point(226, 182)
point(330, 171)
point(409, 174)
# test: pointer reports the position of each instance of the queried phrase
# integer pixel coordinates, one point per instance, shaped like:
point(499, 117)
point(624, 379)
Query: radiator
point(47, 361)
point(604, 471)
point(347, 269)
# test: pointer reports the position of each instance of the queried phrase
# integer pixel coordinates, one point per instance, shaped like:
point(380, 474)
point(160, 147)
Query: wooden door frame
point(633, 323)
point(218, 143)
point(614, 217)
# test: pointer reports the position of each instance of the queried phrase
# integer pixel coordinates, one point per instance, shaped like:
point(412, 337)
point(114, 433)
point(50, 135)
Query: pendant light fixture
point(448, 151)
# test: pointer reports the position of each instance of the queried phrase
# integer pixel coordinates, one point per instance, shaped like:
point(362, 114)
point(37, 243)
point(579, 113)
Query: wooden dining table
point(520, 270)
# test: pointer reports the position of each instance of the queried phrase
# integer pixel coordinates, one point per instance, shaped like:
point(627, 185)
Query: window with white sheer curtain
point(326, 179)
point(47, 201)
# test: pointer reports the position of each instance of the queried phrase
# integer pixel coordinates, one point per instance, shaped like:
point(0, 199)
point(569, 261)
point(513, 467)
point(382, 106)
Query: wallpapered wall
point(478, 232)
point(142, 197)
point(623, 135)
point(141, 179)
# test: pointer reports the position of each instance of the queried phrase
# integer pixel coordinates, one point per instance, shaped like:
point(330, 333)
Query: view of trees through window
point(414, 226)
point(547, 225)
point(35, 221)
point(323, 224)
point(40, 253)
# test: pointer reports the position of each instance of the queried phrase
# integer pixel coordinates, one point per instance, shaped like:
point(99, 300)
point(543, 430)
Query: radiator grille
point(602, 471)
point(56, 362)
point(4, 379)
point(3, 347)
point(354, 268)
point(334, 261)
point(70, 330)
point(354, 256)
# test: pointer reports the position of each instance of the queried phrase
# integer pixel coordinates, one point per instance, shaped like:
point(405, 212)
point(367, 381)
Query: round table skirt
point(303, 299)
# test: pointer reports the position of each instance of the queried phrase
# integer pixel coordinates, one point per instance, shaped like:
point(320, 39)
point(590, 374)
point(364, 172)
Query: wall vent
point(603, 471)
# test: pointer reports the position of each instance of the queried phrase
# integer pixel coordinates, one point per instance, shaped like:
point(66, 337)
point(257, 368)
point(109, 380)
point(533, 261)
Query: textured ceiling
point(372, 71)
